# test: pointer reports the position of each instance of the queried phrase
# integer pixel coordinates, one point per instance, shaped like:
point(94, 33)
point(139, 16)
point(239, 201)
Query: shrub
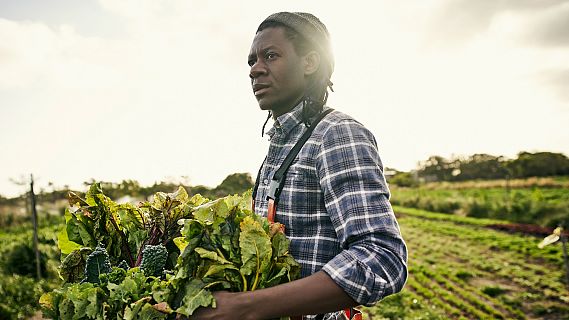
point(21, 260)
point(493, 291)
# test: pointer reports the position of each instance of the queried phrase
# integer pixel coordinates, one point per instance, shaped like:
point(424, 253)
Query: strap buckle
point(273, 189)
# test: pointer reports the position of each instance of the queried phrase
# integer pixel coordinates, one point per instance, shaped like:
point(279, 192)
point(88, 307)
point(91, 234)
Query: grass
point(459, 269)
point(537, 205)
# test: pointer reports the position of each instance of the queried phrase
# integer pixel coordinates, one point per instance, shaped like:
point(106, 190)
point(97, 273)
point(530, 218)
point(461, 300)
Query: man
point(334, 203)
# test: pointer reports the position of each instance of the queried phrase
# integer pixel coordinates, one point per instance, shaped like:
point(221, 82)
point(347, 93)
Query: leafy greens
point(162, 258)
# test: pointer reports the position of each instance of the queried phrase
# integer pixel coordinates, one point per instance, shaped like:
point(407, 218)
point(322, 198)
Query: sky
point(156, 90)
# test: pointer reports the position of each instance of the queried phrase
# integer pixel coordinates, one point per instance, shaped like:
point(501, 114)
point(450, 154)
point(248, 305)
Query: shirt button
point(266, 181)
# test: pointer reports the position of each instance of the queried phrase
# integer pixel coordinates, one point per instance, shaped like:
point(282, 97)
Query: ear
point(311, 63)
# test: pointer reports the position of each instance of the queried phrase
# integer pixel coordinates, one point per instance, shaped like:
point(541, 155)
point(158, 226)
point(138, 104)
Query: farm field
point(458, 269)
point(543, 202)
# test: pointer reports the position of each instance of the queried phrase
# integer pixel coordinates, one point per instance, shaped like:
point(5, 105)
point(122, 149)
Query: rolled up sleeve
point(373, 260)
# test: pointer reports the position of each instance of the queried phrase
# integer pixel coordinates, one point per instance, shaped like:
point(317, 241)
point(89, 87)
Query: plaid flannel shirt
point(335, 205)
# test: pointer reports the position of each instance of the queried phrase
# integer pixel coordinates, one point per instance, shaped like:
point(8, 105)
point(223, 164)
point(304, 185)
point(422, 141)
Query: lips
point(260, 88)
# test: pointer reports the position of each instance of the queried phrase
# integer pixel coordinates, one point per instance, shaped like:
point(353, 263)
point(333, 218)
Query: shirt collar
point(288, 121)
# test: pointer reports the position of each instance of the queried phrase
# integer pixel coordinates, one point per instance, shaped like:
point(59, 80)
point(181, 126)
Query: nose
point(257, 69)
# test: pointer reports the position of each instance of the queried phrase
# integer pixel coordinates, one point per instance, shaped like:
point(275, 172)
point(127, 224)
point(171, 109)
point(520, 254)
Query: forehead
point(271, 37)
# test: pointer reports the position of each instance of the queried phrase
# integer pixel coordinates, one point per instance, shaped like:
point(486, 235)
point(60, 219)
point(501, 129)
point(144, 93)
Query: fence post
point(35, 222)
point(565, 258)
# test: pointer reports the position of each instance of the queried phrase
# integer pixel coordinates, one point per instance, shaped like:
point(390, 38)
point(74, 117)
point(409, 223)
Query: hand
point(228, 307)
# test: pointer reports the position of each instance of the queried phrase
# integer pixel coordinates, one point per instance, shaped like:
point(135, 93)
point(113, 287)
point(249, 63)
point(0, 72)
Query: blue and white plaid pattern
point(335, 205)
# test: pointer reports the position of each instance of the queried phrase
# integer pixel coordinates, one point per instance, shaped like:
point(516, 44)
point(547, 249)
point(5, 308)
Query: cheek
point(292, 77)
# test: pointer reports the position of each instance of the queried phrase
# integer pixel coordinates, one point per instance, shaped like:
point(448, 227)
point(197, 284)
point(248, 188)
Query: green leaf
point(72, 268)
point(256, 249)
point(163, 307)
point(97, 263)
point(280, 244)
point(196, 295)
point(65, 245)
point(211, 255)
point(131, 312)
point(83, 295)
point(94, 190)
point(66, 309)
point(191, 228)
point(131, 220)
point(218, 270)
point(161, 291)
point(197, 200)
point(78, 232)
point(154, 260)
point(275, 279)
point(181, 195)
point(93, 308)
point(150, 312)
point(181, 243)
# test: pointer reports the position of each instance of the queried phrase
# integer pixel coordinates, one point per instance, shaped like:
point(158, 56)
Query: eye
point(251, 62)
point(270, 55)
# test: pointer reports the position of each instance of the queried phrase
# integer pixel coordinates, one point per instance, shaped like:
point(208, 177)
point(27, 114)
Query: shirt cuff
point(355, 278)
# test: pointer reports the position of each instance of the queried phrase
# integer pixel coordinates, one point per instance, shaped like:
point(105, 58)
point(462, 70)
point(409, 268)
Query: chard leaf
point(131, 312)
point(280, 245)
point(207, 212)
point(132, 223)
point(275, 279)
point(181, 243)
point(150, 312)
point(196, 295)
point(65, 245)
point(218, 270)
point(163, 307)
point(216, 212)
point(161, 201)
point(256, 250)
point(181, 195)
point(72, 268)
point(78, 232)
point(211, 255)
point(191, 228)
point(197, 200)
point(84, 297)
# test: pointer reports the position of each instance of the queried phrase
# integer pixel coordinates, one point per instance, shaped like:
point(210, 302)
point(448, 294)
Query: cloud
point(543, 22)
point(34, 54)
point(557, 81)
point(549, 28)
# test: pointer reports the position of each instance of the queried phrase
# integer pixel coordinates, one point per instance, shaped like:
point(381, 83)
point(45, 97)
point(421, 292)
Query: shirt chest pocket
point(302, 178)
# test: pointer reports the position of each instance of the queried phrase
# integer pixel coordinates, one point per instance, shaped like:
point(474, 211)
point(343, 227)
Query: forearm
point(315, 294)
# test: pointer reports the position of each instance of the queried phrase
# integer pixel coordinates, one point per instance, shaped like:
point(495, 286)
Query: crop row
point(481, 268)
point(542, 206)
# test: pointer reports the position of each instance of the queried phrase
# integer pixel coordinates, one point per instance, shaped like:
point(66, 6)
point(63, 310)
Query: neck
point(279, 112)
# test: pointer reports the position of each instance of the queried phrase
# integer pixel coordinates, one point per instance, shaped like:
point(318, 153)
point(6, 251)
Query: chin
point(263, 105)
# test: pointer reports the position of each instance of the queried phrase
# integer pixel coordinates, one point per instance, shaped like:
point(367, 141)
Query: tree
point(403, 179)
point(482, 166)
point(540, 164)
point(234, 184)
point(436, 168)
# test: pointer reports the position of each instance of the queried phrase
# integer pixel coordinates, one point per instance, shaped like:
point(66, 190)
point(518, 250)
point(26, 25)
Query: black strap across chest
point(278, 180)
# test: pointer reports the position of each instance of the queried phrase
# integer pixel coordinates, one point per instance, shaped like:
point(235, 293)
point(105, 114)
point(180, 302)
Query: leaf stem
point(124, 242)
point(244, 282)
point(258, 271)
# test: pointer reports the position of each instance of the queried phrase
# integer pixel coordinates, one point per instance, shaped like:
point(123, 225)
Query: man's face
point(277, 72)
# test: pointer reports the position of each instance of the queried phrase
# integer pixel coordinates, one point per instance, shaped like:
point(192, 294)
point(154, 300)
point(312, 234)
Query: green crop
point(154, 260)
point(97, 263)
point(162, 258)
